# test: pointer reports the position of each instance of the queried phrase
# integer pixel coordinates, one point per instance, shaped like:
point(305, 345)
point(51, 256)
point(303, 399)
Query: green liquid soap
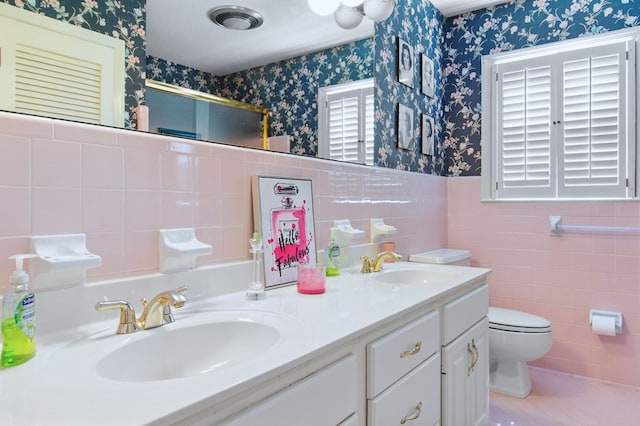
point(333, 257)
point(17, 347)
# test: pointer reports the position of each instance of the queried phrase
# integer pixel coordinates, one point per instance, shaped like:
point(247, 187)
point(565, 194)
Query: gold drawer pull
point(413, 416)
point(413, 351)
point(473, 359)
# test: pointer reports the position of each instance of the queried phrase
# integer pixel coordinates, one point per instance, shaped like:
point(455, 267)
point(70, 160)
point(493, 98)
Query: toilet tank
point(443, 256)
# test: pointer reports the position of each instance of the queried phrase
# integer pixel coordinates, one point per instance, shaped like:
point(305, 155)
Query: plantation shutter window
point(346, 122)
point(561, 122)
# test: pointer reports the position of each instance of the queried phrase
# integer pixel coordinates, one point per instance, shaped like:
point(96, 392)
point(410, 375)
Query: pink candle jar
point(311, 279)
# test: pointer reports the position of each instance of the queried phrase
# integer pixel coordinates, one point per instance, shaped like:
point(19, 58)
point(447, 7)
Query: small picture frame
point(406, 63)
point(428, 135)
point(406, 137)
point(428, 78)
point(283, 214)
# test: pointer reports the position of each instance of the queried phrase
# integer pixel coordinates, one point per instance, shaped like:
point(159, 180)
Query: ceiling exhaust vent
point(236, 18)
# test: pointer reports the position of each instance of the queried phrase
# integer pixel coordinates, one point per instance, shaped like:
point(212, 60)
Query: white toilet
point(514, 337)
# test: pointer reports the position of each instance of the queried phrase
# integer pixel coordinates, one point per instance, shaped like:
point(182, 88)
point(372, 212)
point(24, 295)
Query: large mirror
point(279, 66)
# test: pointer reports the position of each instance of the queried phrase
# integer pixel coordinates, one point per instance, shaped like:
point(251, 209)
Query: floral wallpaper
point(420, 25)
point(288, 88)
point(515, 25)
point(123, 19)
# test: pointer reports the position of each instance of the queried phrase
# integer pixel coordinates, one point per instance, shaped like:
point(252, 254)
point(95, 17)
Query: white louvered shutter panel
point(369, 127)
point(524, 107)
point(343, 127)
point(594, 97)
point(55, 69)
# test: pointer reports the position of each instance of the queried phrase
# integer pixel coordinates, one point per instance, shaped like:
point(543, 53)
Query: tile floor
point(559, 399)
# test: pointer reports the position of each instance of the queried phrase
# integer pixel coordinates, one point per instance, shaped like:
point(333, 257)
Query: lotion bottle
point(18, 318)
point(333, 256)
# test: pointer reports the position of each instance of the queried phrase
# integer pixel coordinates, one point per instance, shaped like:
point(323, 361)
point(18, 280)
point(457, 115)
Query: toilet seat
point(516, 321)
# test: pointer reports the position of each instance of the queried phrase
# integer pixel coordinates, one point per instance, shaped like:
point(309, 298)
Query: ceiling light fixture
point(349, 13)
point(235, 17)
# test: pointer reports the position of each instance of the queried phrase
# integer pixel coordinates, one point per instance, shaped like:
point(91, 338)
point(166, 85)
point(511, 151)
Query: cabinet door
point(325, 398)
point(414, 398)
point(465, 379)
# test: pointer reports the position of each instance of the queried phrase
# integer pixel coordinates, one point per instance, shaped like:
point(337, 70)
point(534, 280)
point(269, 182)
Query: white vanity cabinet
point(403, 375)
point(465, 359)
point(327, 397)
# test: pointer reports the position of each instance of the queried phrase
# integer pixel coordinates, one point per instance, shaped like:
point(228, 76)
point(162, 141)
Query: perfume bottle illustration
point(288, 225)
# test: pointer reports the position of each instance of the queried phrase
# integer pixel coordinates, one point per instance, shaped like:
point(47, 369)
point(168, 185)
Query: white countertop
point(53, 389)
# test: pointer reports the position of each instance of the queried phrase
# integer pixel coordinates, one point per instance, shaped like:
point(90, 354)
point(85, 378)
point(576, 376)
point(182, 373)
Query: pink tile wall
point(119, 187)
point(559, 278)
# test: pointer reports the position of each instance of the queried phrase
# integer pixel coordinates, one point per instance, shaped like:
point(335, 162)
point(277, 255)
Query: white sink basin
point(198, 349)
point(199, 342)
point(413, 276)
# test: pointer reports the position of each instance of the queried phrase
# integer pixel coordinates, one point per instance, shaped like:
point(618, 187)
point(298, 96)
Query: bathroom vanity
point(405, 345)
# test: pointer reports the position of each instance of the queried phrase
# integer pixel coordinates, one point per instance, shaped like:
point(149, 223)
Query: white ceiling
point(181, 32)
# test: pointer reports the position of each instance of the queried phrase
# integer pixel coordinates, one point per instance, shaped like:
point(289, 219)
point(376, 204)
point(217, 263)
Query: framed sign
point(283, 214)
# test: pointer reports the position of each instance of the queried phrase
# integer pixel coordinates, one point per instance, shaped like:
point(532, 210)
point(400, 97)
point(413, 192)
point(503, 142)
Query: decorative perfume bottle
point(256, 287)
point(289, 225)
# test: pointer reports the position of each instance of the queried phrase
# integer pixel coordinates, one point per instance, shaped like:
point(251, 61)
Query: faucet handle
point(128, 323)
point(366, 265)
point(167, 313)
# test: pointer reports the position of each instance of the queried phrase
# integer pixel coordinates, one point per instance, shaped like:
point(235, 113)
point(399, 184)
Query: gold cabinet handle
point(413, 351)
point(476, 352)
point(413, 416)
point(473, 351)
point(473, 359)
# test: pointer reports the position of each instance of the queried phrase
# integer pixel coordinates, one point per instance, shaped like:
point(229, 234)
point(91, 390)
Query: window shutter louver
point(525, 115)
point(343, 129)
point(593, 100)
point(369, 129)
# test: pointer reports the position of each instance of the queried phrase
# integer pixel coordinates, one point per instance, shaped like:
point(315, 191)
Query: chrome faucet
point(375, 265)
point(157, 312)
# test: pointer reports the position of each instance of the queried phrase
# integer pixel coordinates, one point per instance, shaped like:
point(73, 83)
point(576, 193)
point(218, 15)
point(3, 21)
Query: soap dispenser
point(18, 317)
point(333, 256)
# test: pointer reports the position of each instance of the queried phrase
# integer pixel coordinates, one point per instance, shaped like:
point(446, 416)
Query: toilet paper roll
point(604, 325)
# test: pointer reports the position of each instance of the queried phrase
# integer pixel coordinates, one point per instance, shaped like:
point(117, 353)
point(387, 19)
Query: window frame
point(490, 127)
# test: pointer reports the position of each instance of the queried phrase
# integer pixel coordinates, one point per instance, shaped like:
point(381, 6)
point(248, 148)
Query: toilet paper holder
point(616, 315)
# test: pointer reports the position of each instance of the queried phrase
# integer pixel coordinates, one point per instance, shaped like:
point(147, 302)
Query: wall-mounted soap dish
point(344, 233)
point(179, 249)
point(379, 229)
point(62, 260)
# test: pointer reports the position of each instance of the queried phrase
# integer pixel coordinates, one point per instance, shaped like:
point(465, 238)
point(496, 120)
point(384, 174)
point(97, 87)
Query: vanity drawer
point(463, 312)
point(392, 356)
point(416, 393)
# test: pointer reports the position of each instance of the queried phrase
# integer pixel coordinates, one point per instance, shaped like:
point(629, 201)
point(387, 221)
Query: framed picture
point(428, 133)
point(428, 79)
point(406, 137)
point(283, 214)
point(406, 64)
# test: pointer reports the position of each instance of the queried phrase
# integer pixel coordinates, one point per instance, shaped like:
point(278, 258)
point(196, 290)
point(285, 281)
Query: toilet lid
point(510, 320)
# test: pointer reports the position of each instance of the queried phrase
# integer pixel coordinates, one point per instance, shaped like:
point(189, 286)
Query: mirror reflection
point(287, 86)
